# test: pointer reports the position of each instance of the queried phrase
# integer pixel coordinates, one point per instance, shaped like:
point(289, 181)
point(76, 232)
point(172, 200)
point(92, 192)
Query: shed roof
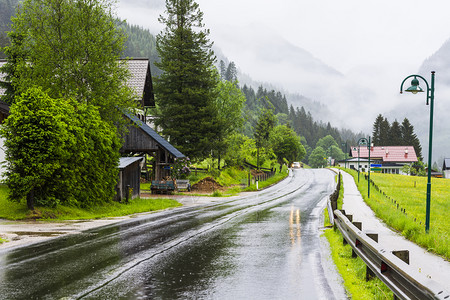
point(126, 161)
point(387, 153)
point(155, 136)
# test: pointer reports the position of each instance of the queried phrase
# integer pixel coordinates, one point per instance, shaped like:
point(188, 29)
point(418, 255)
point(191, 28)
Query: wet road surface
point(263, 245)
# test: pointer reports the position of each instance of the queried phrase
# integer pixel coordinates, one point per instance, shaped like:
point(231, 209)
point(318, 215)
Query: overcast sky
point(344, 34)
point(374, 44)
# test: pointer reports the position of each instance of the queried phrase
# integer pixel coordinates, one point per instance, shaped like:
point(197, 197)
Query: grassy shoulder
point(400, 202)
point(18, 211)
point(352, 270)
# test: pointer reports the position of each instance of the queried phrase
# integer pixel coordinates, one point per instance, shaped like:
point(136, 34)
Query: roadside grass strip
point(19, 211)
point(352, 270)
point(400, 201)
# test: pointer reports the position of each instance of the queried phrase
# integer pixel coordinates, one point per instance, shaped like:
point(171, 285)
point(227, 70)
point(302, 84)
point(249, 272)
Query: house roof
point(155, 136)
point(446, 165)
point(126, 161)
point(141, 80)
point(386, 153)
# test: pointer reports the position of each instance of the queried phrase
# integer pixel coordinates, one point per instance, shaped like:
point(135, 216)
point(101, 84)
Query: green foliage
point(286, 144)
point(326, 142)
point(317, 159)
point(239, 149)
point(229, 104)
point(59, 151)
point(181, 168)
point(186, 90)
point(71, 49)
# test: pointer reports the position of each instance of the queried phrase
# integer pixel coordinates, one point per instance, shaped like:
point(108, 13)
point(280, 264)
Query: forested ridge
point(141, 43)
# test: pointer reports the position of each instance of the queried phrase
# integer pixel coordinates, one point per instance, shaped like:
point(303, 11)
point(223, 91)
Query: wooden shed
point(142, 139)
point(128, 185)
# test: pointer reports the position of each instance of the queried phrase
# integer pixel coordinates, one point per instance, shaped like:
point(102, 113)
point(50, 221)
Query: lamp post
point(364, 141)
point(345, 163)
point(415, 88)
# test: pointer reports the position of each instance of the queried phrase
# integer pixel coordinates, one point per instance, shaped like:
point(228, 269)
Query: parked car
point(296, 165)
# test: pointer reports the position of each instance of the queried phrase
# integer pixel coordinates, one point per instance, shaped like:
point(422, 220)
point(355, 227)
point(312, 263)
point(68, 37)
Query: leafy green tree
point(71, 49)
point(326, 142)
point(59, 151)
point(264, 126)
point(229, 104)
point(186, 90)
point(317, 158)
point(286, 144)
point(335, 152)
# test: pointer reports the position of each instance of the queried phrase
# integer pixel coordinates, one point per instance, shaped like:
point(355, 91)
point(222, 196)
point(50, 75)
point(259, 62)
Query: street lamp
point(415, 88)
point(345, 163)
point(364, 141)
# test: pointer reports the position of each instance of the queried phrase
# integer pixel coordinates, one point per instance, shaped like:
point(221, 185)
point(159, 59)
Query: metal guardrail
point(404, 281)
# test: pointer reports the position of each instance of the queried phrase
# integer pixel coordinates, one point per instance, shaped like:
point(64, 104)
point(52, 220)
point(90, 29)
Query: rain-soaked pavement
point(262, 245)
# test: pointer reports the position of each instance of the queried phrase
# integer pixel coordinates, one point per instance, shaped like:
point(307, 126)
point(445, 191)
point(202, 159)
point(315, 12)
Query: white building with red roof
point(390, 159)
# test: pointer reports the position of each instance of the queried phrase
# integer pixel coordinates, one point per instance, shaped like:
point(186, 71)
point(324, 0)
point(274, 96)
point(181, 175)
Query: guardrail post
point(369, 273)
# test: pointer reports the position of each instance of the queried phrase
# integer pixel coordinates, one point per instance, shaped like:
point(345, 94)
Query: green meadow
point(400, 201)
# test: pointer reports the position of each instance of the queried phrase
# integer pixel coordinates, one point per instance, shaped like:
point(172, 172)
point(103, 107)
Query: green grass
point(409, 192)
point(18, 211)
point(352, 270)
point(272, 180)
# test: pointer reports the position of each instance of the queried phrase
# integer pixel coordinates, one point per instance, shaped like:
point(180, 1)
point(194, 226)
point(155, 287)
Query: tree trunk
point(30, 200)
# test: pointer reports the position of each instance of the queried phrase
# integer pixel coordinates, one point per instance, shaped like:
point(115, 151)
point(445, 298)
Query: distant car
point(296, 165)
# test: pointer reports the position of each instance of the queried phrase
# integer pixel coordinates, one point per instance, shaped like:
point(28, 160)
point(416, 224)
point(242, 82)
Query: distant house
point(390, 159)
point(446, 168)
point(353, 163)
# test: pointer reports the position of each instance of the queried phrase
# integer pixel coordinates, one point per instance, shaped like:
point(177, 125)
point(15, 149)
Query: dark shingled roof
point(154, 135)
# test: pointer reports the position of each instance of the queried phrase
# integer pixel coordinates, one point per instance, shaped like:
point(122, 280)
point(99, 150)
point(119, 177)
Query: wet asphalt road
point(263, 245)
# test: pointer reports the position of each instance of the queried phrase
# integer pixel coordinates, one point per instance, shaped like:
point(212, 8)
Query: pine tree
point(410, 138)
point(186, 90)
point(395, 135)
point(385, 127)
point(376, 133)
